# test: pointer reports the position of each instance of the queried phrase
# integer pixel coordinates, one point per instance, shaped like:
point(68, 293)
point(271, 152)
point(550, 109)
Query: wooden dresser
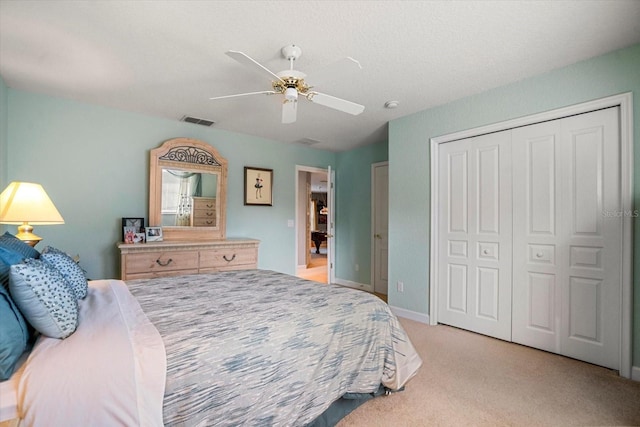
point(203, 212)
point(173, 258)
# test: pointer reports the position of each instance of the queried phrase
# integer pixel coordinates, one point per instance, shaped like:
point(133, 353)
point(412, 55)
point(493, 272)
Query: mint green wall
point(353, 219)
point(4, 120)
point(610, 74)
point(94, 163)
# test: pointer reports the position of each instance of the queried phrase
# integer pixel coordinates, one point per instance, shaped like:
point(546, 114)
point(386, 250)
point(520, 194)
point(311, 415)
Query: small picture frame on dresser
point(136, 223)
point(153, 234)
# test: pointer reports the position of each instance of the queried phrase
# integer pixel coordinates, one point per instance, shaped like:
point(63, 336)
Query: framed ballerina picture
point(258, 186)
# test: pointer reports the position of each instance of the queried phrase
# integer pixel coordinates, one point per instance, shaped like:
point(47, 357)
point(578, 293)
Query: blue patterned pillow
point(70, 270)
point(11, 242)
point(44, 298)
point(7, 259)
point(13, 335)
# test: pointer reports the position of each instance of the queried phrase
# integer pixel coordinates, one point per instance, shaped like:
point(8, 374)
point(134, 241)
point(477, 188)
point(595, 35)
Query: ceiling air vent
point(197, 121)
point(307, 141)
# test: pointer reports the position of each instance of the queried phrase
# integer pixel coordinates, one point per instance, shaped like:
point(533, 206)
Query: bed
point(249, 347)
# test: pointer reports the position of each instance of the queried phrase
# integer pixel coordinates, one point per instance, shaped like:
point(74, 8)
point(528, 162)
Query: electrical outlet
point(290, 223)
point(400, 286)
point(357, 267)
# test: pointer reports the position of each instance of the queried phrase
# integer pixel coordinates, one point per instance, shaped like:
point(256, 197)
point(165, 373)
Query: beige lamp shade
point(27, 204)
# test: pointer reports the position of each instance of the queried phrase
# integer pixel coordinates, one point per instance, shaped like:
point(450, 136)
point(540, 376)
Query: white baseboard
point(635, 373)
point(355, 285)
point(411, 315)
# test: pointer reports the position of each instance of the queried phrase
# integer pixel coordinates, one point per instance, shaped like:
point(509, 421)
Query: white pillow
point(44, 298)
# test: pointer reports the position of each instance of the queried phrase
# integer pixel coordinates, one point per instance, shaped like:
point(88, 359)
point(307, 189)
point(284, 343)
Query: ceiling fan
point(292, 84)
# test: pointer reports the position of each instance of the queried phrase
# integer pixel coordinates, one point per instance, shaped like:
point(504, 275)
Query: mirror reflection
point(189, 198)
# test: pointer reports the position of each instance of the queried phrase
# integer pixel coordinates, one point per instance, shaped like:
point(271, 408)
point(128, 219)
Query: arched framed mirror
point(188, 190)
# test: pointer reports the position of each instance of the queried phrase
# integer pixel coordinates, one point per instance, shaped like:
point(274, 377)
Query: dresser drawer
point(203, 222)
point(228, 258)
point(157, 262)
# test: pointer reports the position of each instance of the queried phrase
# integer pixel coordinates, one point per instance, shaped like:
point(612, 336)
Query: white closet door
point(475, 234)
point(538, 253)
point(568, 237)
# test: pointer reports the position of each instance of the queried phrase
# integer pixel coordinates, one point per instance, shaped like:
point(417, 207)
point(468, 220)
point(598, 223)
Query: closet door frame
point(625, 102)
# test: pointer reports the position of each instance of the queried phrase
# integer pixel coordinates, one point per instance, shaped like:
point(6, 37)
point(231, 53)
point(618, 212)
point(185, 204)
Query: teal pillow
point(13, 335)
point(44, 298)
point(11, 242)
point(69, 269)
point(7, 259)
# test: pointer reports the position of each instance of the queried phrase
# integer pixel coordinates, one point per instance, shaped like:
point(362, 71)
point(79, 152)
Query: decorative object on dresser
point(153, 234)
point(135, 225)
point(161, 259)
point(188, 190)
point(26, 203)
point(258, 186)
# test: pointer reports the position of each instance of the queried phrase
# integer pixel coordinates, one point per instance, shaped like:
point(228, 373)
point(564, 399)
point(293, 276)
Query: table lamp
point(27, 204)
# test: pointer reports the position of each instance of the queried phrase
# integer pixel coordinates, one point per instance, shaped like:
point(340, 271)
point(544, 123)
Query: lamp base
point(25, 234)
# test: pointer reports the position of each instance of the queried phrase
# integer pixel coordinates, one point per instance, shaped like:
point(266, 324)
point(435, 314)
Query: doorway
point(313, 220)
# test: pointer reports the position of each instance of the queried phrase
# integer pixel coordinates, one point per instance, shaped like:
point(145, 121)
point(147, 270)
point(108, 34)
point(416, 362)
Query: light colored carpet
point(472, 380)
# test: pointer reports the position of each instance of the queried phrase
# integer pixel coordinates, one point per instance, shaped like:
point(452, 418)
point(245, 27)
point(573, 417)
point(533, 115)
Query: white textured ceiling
point(166, 58)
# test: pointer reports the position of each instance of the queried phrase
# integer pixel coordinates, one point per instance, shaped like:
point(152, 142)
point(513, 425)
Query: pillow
point(7, 259)
point(44, 298)
point(11, 242)
point(13, 335)
point(69, 269)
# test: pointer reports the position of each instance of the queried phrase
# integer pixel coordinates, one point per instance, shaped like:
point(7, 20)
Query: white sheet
point(9, 392)
point(117, 347)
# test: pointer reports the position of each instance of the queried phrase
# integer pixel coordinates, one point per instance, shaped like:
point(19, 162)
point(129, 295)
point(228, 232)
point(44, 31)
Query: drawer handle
point(486, 251)
point(209, 206)
point(229, 260)
point(161, 264)
point(539, 255)
point(209, 213)
point(210, 222)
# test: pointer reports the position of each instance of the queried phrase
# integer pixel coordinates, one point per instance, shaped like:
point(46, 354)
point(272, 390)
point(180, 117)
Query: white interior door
point(567, 237)
point(380, 225)
point(475, 238)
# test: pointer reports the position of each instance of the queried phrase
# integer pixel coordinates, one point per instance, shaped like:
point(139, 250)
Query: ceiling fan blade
point(289, 111)
point(341, 69)
point(247, 61)
point(266, 92)
point(336, 103)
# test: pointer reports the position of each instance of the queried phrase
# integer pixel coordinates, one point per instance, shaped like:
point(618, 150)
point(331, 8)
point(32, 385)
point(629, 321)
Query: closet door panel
point(475, 236)
point(537, 248)
point(592, 235)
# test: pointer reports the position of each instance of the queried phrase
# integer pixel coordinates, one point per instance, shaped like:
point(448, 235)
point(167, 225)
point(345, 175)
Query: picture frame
point(136, 223)
point(129, 234)
point(258, 186)
point(153, 234)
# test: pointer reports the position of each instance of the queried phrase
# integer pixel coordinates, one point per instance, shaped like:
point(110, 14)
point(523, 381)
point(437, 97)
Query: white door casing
point(581, 328)
point(475, 234)
point(380, 227)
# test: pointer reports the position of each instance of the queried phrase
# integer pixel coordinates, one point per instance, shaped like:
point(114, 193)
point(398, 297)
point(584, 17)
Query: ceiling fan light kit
point(291, 83)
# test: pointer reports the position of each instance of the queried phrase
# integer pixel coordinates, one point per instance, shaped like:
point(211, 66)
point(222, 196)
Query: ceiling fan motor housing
point(292, 79)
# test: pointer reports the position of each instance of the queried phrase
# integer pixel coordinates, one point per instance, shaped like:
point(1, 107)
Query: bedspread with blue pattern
point(261, 348)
